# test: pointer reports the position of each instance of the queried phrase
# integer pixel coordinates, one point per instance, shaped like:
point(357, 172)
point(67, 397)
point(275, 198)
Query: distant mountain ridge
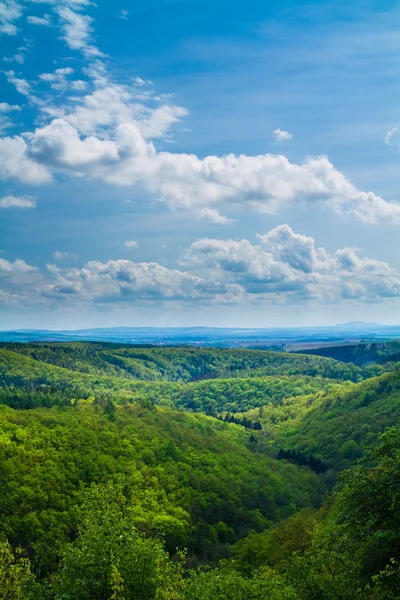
point(214, 336)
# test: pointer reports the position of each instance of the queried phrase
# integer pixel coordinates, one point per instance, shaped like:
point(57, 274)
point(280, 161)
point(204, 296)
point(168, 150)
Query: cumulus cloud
point(5, 107)
point(126, 281)
point(284, 267)
point(59, 146)
point(111, 104)
point(131, 244)
point(368, 207)
point(44, 20)
point(18, 266)
point(10, 11)
point(124, 15)
point(211, 214)
point(280, 135)
point(5, 121)
point(22, 85)
point(78, 85)
point(289, 264)
point(156, 122)
point(58, 79)
point(60, 256)
point(17, 202)
point(15, 163)
point(263, 183)
point(18, 282)
point(57, 73)
point(111, 134)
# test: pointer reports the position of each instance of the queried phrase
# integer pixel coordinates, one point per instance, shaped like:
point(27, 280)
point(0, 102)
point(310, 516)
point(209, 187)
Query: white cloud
point(368, 207)
point(22, 85)
point(57, 74)
point(78, 85)
point(15, 163)
point(10, 11)
point(109, 134)
point(76, 28)
point(59, 146)
point(19, 282)
point(131, 244)
point(5, 121)
point(124, 15)
point(126, 281)
point(105, 107)
point(285, 267)
point(392, 138)
point(211, 214)
point(263, 183)
point(280, 135)
point(20, 54)
point(77, 31)
point(5, 107)
point(17, 202)
point(8, 299)
point(19, 58)
point(18, 266)
point(58, 79)
point(290, 265)
point(44, 20)
point(110, 105)
point(60, 256)
point(157, 122)
point(294, 249)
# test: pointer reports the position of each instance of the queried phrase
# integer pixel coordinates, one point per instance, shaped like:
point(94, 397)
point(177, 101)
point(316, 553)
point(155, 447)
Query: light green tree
point(15, 574)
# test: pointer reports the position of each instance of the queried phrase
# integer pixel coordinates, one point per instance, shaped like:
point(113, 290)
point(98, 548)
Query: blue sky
point(214, 163)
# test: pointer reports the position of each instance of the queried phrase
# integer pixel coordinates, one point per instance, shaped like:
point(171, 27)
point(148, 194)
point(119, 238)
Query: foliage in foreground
point(199, 482)
point(105, 496)
point(348, 549)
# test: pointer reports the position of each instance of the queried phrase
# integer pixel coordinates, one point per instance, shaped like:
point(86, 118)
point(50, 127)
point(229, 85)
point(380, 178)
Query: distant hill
point(198, 379)
point(339, 425)
point(360, 354)
point(212, 336)
point(361, 325)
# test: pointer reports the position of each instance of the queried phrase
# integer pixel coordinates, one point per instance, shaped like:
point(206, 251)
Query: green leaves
point(110, 559)
point(114, 494)
point(227, 584)
point(15, 574)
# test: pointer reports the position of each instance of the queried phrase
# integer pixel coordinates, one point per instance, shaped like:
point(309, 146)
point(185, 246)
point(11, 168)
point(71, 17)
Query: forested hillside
point(207, 380)
point(336, 426)
point(184, 363)
point(182, 473)
point(194, 479)
point(360, 354)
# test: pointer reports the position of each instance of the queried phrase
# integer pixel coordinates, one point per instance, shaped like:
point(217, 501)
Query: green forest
point(360, 354)
point(134, 472)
